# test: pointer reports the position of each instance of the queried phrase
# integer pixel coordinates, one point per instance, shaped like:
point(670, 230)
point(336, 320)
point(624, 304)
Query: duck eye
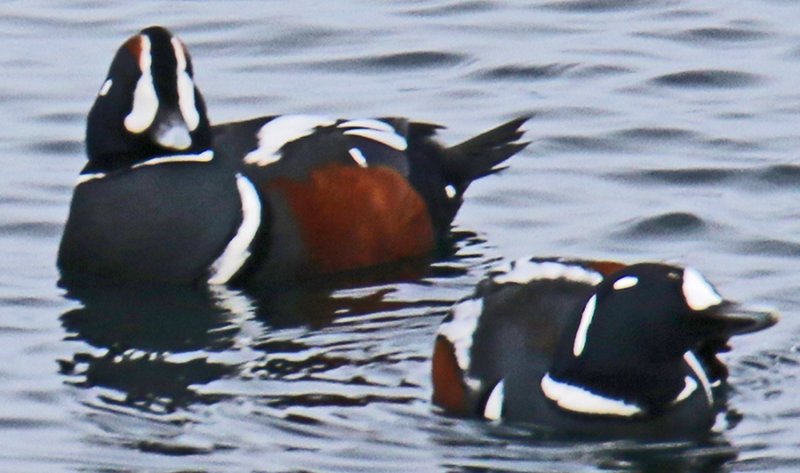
point(625, 282)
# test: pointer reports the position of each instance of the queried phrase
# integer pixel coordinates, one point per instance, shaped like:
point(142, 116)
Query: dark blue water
point(662, 130)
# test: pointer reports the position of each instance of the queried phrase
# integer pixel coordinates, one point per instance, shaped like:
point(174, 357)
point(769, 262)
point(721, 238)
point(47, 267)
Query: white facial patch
point(237, 251)
point(625, 282)
point(459, 330)
point(450, 191)
point(185, 88)
point(358, 157)
point(583, 327)
point(493, 409)
point(577, 399)
point(278, 132)
point(524, 270)
point(145, 100)
point(699, 294)
point(105, 88)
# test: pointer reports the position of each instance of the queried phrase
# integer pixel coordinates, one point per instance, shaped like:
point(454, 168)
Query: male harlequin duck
point(595, 349)
point(165, 197)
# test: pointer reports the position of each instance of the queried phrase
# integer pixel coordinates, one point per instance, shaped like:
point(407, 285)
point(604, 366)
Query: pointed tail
point(481, 155)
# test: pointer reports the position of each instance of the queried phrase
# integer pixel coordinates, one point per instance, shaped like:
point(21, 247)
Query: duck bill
point(732, 318)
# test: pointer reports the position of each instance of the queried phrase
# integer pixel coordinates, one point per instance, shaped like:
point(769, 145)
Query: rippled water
point(662, 130)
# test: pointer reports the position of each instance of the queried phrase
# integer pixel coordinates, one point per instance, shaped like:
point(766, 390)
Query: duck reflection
point(150, 343)
point(151, 347)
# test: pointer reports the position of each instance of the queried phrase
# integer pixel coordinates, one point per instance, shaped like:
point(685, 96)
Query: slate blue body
point(168, 198)
point(644, 365)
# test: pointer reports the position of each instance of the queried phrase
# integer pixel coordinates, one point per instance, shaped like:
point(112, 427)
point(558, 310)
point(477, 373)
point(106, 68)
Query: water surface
point(662, 130)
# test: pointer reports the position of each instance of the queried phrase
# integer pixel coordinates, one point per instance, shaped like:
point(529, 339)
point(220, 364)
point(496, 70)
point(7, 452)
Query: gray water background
point(663, 130)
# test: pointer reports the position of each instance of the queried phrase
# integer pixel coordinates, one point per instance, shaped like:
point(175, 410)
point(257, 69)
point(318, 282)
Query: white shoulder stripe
point(369, 123)
point(524, 270)
point(388, 138)
point(238, 250)
point(358, 157)
point(577, 399)
point(282, 130)
point(459, 330)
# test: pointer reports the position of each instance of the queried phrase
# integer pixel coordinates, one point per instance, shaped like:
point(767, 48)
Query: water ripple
point(31, 229)
point(720, 34)
point(584, 143)
point(688, 177)
point(774, 177)
point(709, 78)
point(657, 134)
point(770, 247)
point(599, 70)
point(454, 8)
point(672, 224)
point(781, 175)
point(598, 5)
point(393, 62)
point(57, 147)
point(533, 72)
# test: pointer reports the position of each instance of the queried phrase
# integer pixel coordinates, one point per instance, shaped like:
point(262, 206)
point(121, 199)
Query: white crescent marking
point(278, 132)
point(237, 251)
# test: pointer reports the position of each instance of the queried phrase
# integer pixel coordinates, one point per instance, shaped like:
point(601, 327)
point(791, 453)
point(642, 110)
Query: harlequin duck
point(590, 349)
point(165, 197)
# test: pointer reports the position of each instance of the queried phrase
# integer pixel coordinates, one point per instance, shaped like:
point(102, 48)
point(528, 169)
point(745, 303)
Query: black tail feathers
point(481, 155)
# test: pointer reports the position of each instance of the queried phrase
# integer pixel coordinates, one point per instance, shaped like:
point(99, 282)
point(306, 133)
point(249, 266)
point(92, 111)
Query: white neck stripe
point(577, 399)
point(698, 370)
point(89, 177)
point(203, 157)
point(689, 386)
point(237, 251)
